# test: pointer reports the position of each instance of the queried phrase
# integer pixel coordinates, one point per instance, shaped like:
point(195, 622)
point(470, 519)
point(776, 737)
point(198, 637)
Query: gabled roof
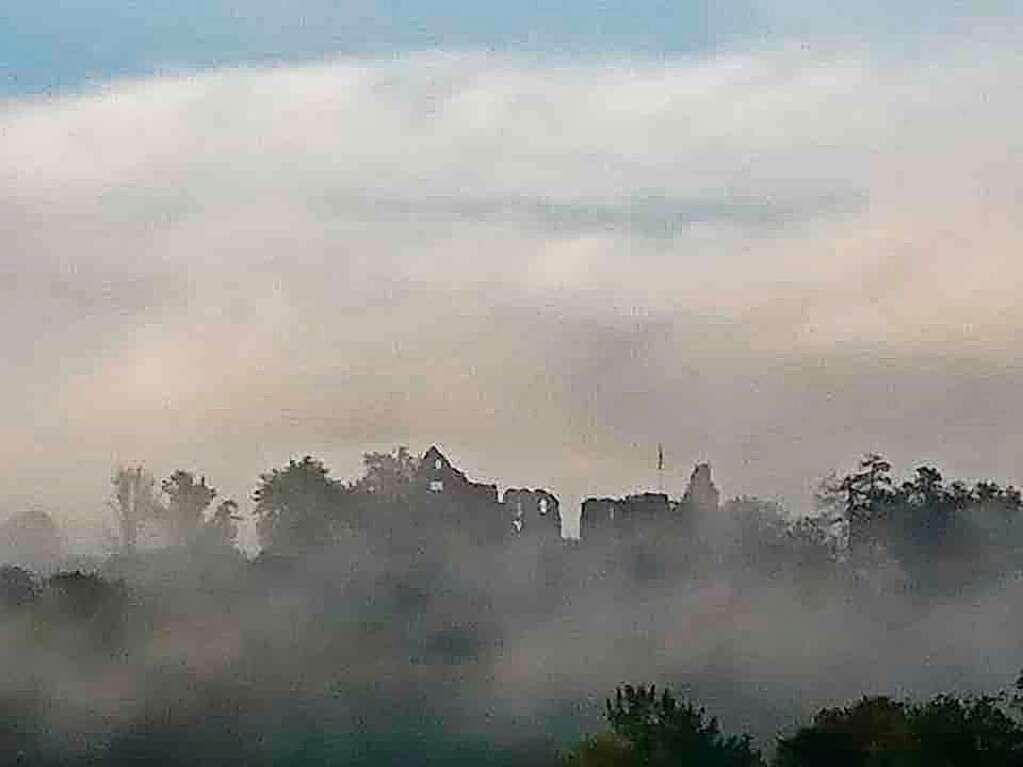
point(427, 466)
point(433, 453)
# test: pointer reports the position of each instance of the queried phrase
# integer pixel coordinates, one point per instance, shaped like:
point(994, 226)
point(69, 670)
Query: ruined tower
point(702, 494)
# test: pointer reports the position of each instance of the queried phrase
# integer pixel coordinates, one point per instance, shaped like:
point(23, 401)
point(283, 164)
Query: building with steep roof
point(476, 506)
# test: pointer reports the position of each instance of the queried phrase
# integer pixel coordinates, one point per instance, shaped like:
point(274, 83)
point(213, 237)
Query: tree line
point(297, 507)
point(651, 729)
point(865, 518)
point(180, 509)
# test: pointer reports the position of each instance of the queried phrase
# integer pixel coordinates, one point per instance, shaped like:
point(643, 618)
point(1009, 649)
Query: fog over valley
point(431, 383)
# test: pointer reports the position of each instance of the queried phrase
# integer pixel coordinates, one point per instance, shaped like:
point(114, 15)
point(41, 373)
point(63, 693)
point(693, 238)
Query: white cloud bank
point(775, 260)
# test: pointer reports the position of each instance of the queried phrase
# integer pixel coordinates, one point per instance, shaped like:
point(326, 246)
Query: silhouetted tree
point(82, 595)
point(187, 501)
point(869, 486)
point(652, 729)
point(84, 612)
point(959, 495)
point(223, 524)
point(926, 489)
point(924, 507)
point(990, 495)
point(603, 750)
point(950, 731)
point(813, 543)
point(18, 586)
point(872, 731)
point(946, 731)
point(134, 501)
point(297, 507)
point(924, 521)
point(864, 497)
point(388, 475)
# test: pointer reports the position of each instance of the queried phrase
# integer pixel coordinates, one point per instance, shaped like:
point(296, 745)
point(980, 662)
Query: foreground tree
point(655, 730)
point(946, 731)
point(950, 731)
point(873, 731)
point(603, 750)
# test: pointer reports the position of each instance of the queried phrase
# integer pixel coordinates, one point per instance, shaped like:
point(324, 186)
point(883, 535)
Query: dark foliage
point(18, 587)
point(658, 730)
point(187, 501)
point(946, 731)
point(297, 507)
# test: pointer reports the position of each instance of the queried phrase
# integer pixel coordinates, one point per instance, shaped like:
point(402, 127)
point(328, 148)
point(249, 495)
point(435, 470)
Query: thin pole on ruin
point(660, 468)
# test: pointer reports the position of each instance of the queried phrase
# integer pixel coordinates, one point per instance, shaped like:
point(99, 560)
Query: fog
point(407, 636)
point(768, 257)
point(772, 258)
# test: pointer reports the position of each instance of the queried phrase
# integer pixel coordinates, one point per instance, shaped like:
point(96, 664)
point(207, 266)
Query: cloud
point(547, 265)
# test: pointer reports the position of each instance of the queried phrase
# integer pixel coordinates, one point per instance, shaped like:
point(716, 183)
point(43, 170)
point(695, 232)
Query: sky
point(56, 45)
point(546, 236)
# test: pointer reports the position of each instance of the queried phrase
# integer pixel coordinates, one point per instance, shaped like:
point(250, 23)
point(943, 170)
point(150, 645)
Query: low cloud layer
point(770, 259)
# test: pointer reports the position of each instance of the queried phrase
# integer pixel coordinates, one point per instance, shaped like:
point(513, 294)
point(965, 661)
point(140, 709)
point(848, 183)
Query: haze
point(772, 240)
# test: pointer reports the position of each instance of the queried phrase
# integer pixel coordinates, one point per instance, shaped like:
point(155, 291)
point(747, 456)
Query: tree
point(992, 496)
point(603, 750)
point(926, 489)
point(297, 507)
point(985, 492)
point(187, 501)
point(223, 524)
point(813, 542)
point(951, 731)
point(872, 731)
point(1012, 498)
point(869, 486)
point(388, 475)
point(871, 483)
point(87, 611)
point(18, 587)
point(134, 501)
point(960, 496)
point(663, 730)
point(946, 731)
point(926, 520)
point(926, 525)
point(865, 496)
